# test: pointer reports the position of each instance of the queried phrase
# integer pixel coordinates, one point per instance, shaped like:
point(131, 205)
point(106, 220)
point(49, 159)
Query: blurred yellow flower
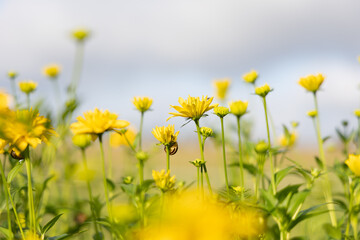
point(238, 108)
point(357, 113)
point(312, 113)
point(4, 100)
point(97, 122)
point(26, 128)
point(51, 70)
point(27, 86)
point(124, 213)
point(221, 111)
point(80, 34)
point(82, 140)
point(119, 138)
point(221, 88)
point(263, 90)
point(312, 83)
point(192, 107)
point(261, 147)
point(250, 77)
point(288, 140)
point(353, 162)
point(163, 180)
point(206, 132)
point(142, 103)
point(86, 175)
point(12, 74)
point(3, 143)
point(31, 236)
point(165, 135)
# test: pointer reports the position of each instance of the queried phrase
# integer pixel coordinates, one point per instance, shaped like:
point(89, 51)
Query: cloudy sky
point(167, 49)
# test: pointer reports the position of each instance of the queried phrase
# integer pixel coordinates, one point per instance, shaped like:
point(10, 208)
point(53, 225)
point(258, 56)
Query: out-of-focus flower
point(357, 113)
point(27, 86)
point(353, 162)
point(193, 107)
point(97, 122)
point(128, 179)
point(294, 124)
point(4, 100)
point(12, 74)
point(221, 111)
point(120, 138)
point(163, 180)
point(261, 147)
point(3, 143)
point(82, 140)
point(221, 88)
point(166, 135)
point(238, 108)
point(142, 156)
point(312, 113)
point(206, 132)
point(124, 213)
point(31, 236)
point(288, 140)
point(81, 34)
point(312, 83)
point(142, 103)
point(197, 162)
point(238, 190)
point(85, 175)
point(263, 90)
point(250, 77)
point(51, 70)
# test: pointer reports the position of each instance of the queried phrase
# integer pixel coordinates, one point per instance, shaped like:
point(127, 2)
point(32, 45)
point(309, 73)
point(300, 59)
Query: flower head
point(221, 111)
point(221, 88)
point(3, 143)
point(81, 34)
point(238, 108)
point(27, 86)
point(206, 132)
point(261, 147)
point(142, 103)
point(312, 113)
point(353, 162)
point(312, 83)
point(51, 70)
point(193, 107)
point(12, 74)
point(250, 77)
point(166, 135)
point(4, 100)
point(125, 137)
point(163, 180)
point(197, 162)
point(288, 139)
point(82, 140)
point(97, 122)
point(357, 113)
point(263, 90)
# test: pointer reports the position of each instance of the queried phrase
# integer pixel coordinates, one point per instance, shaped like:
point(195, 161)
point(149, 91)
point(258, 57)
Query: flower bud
point(261, 147)
point(82, 140)
point(142, 156)
point(312, 113)
point(221, 111)
point(206, 132)
point(263, 90)
point(128, 179)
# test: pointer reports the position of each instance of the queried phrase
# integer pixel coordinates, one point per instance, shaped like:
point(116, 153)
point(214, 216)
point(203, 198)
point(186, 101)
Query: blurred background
point(170, 49)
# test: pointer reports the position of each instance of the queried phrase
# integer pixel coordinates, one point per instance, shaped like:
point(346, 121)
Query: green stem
point(358, 150)
point(284, 235)
point(13, 89)
point(270, 152)
point(141, 129)
point(30, 192)
point(198, 180)
point(326, 183)
point(202, 182)
point(5, 185)
point(15, 213)
point(89, 191)
point(28, 100)
point(224, 155)
point(167, 158)
point(141, 172)
point(104, 178)
point(78, 64)
point(241, 161)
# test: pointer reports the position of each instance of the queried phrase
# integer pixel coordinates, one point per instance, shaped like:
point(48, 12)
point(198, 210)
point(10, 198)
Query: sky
point(167, 49)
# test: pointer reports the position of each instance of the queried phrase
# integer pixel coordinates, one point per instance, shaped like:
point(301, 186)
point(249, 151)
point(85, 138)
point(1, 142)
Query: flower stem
point(89, 191)
point(358, 150)
point(141, 172)
point(141, 129)
point(270, 152)
point(104, 178)
point(167, 158)
point(78, 64)
point(5, 185)
point(30, 192)
point(28, 100)
point(326, 183)
point(241, 162)
point(224, 155)
point(13, 89)
point(198, 180)
point(202, 182)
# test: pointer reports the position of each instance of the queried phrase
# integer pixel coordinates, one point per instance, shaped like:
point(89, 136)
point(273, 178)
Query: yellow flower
point(81, 34)
point(124, 213)
point(261, 147)
point(51, 70)
point(221, 111)
point(165, 135)
point(312, 83)
point(82, 140)
point(27, 128)
point(193, 107)
point(221, 87)
point(4, 100)
point(12, 74)
point(288, 140)
point(312, 113)
point(163, 180)
point(142, 103)
point(353, 163)
point(238, 108)
point(118, 138)
point(3, 143)
point(263, 90)
point(97, 122)
point(357, 113)
point(31, 236)
point(206, 132)
point(250, 77)
point(27, 86)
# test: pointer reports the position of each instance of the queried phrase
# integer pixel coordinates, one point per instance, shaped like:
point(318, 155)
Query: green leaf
point(50, 224)
point(110, 184)
point(332, 231)
point(250, 168)
point(296, 201)
point(283, 193)
point(281, 174)
point(14, 171)
point(341, 136)
point(303, 217)
point(269, 199)
point(60, 237)
point(319, 162)
point(326, 138)
point(6, 233)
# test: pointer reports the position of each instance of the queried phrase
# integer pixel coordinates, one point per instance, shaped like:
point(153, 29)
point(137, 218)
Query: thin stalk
point(30, 193)
point(28, 100)
point(202, 182)
point(202, 155)
point(89, 191)
point(167, 158)
point(15, 213)
point(13, 90)
point(57, 91)
point(5, 185)
point(104, 178)
point(327, 188)
point(198, 180)
point(358, 150)
point(78, 64)
point(141, 172)
point(128, 142)
point(270, 152)
point(224, 155)
point(241, 161)
point(141, 129)
point(284, 235)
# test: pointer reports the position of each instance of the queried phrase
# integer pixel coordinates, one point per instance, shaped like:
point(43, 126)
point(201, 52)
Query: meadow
point(91, 175)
